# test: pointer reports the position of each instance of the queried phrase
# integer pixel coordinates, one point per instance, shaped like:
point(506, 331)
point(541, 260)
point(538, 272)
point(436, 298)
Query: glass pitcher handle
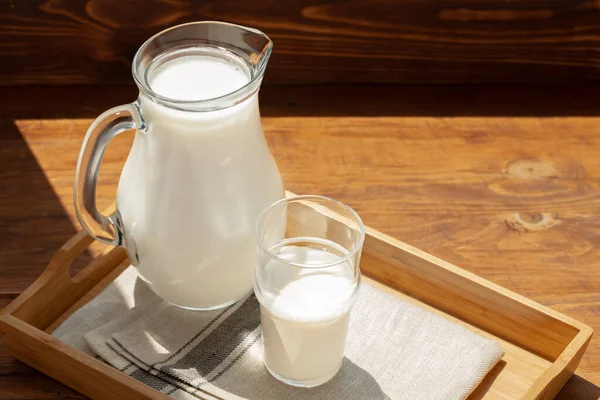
point(104, 228)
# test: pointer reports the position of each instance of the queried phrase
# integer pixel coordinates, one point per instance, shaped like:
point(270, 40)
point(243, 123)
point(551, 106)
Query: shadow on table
point(579, 388)
point(33, 222)
point(536, 100)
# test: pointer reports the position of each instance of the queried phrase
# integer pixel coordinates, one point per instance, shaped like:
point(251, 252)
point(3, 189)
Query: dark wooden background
point(61, 42)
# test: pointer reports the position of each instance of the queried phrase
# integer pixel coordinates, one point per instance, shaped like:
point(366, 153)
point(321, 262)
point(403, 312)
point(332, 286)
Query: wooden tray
point(543, 347)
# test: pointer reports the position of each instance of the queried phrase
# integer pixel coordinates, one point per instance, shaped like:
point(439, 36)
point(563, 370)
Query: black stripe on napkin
point(212, 350)
point(149, 379)
point(196, 335)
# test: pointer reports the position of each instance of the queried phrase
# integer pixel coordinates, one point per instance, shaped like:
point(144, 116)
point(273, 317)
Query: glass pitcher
point(199, 171)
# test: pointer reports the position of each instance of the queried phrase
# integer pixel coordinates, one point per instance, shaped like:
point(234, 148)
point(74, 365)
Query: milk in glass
point(305, 320)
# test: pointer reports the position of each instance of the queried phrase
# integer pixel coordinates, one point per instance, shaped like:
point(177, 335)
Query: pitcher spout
point(246, 48)
point(259, 49)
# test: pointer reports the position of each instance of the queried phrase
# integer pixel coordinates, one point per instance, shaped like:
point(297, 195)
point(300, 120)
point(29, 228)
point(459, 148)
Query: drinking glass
point(307, 281)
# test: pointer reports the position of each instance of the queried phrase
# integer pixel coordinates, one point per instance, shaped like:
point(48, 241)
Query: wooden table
point(500, 180)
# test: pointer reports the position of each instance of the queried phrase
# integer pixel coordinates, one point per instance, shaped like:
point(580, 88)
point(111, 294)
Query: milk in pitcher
point(195, 182)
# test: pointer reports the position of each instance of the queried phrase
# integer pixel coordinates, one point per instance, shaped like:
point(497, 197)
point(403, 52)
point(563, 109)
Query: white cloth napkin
point(395, 350)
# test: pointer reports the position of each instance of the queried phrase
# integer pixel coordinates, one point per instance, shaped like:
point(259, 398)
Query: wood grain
point(498, 186)
point(316, 41)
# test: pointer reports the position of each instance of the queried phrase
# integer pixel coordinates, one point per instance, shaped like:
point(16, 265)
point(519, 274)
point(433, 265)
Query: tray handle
point(53, 293)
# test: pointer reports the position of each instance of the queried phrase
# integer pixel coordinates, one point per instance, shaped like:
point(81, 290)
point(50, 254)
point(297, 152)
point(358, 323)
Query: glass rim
point(237, 96)
point(357, 248)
